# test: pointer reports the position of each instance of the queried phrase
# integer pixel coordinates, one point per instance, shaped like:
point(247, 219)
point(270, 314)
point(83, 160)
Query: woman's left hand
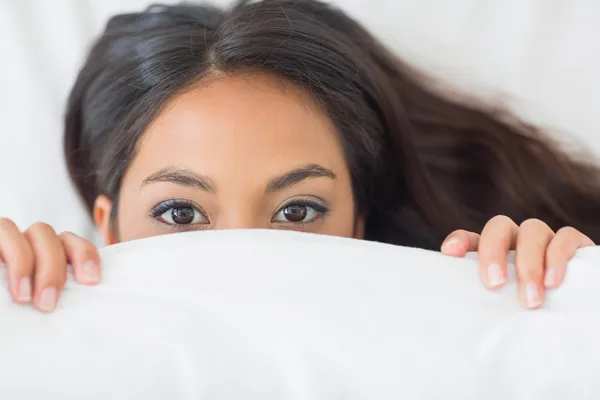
point(541, 254)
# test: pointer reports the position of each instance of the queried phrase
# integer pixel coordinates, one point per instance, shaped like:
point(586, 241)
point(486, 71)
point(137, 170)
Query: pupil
point(295, 213)
point(183, 215)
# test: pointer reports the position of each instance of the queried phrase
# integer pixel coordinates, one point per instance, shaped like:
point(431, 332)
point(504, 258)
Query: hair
point(422, 163)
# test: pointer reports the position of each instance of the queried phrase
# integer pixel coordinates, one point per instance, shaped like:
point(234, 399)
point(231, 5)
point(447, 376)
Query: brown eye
point(295, 213)
point(300, 212)
point(183, 215)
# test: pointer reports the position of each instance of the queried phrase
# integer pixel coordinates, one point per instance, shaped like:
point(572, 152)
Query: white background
point(541, 57)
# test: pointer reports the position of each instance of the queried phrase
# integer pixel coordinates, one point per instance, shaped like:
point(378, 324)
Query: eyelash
point(166, 205)
point(318, 207)
point(321, 210)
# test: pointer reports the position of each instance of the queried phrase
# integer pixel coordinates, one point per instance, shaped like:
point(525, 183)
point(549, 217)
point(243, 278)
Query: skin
point(278, 165)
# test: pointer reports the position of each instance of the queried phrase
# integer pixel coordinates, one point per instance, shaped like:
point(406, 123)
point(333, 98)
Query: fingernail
point(450, 244)
point(91, 271)
point(495, 275)
point(24, 294)
point(532, 295)
point(550, 279)
point(47, 299)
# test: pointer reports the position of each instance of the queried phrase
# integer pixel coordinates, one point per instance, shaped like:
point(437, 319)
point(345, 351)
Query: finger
point(50, 266)
point(459, 242)
point(83, 256)
point(534, 238)
point(16, 253)
point(560, 250)
point(497, 238)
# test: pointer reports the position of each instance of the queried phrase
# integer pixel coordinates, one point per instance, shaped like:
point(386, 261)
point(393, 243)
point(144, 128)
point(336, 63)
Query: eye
point(179, 213)
point(299, 212)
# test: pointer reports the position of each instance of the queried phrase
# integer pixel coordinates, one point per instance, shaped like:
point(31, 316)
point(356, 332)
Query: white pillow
point(274, 315)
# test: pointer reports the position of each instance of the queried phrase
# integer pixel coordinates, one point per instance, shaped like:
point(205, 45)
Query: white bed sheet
point(276, 315)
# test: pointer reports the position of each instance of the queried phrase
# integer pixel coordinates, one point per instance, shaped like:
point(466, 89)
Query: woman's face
point(237, 152)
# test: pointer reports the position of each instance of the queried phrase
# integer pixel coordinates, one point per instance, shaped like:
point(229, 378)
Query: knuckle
point(70, 241)
point(73, 239)
point(66, 235)
point(77, 247)
point(532, 223)
point(568, 231)
point(6, 223)
point(458, 232)
point(41, 228)
point(501, 220)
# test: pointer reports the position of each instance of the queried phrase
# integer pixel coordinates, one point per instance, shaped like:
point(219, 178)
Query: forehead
point(249, 123)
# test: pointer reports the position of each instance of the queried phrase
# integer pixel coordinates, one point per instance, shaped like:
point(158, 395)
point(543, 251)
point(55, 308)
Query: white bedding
point(276, 315)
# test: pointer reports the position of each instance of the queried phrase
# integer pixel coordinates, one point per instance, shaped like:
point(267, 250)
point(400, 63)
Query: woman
point(289, 115)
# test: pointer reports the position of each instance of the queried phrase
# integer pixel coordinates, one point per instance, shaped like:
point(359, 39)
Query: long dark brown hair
point(422, 163)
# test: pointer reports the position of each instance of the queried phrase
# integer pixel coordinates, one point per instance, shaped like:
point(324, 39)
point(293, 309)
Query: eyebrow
point(298, 175)
point(183, 177)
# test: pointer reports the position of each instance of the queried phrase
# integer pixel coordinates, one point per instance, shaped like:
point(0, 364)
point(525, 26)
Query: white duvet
point(275, 315)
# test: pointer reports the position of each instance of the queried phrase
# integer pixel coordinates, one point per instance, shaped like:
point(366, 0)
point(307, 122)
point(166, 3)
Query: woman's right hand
point(37, 260)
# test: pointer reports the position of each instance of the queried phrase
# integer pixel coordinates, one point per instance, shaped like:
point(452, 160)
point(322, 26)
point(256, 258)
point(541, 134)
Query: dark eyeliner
point(317, 206)
point(166, 205)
